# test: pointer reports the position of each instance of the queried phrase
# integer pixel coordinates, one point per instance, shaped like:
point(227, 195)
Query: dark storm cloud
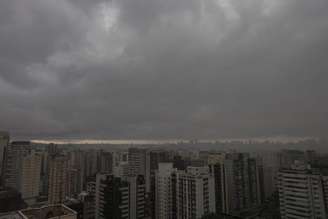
point(163, 68)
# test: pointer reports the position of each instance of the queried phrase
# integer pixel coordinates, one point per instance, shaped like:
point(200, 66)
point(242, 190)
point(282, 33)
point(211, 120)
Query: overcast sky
point(163, 68)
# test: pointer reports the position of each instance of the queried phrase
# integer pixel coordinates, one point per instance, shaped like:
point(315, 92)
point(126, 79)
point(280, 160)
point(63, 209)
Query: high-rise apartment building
point(22, 170)
point(217, 170)
point(137, 194)
point(105, 162)
point(237, 181)
point(119, 157)
point(44, 175)
point(165, 195)
point(13, 163)
point(184, 194)
point(4, 141)
point(242, 186)
point(154, 157)
point(325, 188)
point(137, 161)
point(30, 171)
point(120, 197)
point(58, 179)
point(90, 163)
point(74, 182)
point(77, 165)
point(195, 193)
point(89, 207)
point(302, 193)
point(289, 157)
point(123, 169)
point(270, 166)
point(111, 197)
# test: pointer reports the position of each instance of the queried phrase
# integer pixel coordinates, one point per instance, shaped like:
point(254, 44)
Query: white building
point(195, 193)
point(302, 194)
point(184, 194)
point(164, 182)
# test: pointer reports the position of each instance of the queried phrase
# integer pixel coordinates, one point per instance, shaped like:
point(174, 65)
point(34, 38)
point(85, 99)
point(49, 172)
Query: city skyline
point(192, 179)
point(278, 139)
point(163, 109)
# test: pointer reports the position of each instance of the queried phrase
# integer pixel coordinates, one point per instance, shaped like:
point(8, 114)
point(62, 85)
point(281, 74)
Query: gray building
point(137, 161)
point(4, 141)
point(13, 162)
point(58, 179)
point(238, 181)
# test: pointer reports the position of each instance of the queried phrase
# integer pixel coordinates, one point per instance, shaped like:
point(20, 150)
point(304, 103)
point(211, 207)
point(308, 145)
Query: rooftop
point(47, 212)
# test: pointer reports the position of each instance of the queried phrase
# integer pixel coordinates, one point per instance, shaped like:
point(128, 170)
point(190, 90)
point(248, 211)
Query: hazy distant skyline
point(280, 139)
point(165, 69)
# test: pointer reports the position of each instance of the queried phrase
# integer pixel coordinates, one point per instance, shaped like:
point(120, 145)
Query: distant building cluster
point(158, 182)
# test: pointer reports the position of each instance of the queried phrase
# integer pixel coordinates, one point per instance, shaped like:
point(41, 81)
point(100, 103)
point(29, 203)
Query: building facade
point(30, 177)
point(58, 179)
point(4, 141)
point(302, 194)
point(13, 158)
point(195, 193)
point(120, 197)
point(184, 194)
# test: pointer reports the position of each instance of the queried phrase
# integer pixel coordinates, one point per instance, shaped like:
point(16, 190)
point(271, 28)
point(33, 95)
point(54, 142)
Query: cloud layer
point(163, 68)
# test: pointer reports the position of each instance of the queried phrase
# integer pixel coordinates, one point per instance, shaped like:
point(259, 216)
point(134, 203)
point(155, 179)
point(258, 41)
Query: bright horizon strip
point(280, 139)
